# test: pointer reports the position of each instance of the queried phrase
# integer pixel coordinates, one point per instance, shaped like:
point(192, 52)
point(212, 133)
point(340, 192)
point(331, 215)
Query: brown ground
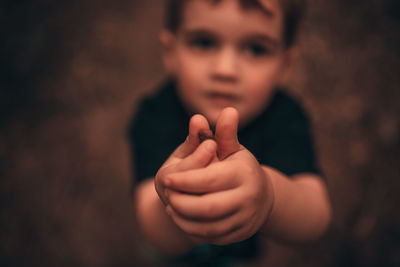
point(72, 74)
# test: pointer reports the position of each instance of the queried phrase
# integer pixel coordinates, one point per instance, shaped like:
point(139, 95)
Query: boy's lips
point(222, 98)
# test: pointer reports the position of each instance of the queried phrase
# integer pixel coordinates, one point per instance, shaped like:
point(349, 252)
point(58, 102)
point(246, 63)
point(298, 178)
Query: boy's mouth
point(222, 99)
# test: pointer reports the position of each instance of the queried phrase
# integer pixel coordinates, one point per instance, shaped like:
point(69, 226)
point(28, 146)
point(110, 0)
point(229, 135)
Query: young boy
point(256, 175)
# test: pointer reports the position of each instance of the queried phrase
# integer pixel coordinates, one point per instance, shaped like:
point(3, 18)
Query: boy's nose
point(225, 65)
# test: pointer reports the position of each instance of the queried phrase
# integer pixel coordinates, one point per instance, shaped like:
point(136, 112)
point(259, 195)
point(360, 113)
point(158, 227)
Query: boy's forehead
point(231, 14)
point(269, 6)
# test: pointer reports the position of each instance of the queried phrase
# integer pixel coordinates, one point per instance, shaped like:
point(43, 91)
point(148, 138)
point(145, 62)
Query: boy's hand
point(191, 154)
point(222, 202)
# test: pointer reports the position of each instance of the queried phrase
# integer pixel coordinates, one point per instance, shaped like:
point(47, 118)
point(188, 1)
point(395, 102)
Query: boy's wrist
point(270, 189)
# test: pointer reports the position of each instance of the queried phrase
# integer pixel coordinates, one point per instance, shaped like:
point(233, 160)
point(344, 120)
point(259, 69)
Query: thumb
point(226, 132)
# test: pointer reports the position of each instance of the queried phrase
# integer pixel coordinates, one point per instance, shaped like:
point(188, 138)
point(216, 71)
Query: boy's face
point(224, 55)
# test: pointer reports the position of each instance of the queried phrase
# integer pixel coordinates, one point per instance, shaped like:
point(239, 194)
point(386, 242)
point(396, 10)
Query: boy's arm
point(301, 209)
point(155, 224)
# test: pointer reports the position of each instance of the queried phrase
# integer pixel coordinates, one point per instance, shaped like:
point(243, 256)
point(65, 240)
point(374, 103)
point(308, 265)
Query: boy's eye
point(257, 50)
point(203, 43)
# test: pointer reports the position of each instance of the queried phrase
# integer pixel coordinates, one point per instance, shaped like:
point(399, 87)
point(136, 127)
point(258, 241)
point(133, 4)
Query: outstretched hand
point(217, 201)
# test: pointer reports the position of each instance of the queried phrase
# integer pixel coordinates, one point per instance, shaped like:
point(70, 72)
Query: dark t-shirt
point(279, 137)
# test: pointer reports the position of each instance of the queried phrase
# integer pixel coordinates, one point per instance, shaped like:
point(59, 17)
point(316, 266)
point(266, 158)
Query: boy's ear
point(291, 55)
point(168, 39)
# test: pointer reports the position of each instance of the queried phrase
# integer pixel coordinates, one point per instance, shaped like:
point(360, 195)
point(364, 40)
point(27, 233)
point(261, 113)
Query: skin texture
point(226, 61)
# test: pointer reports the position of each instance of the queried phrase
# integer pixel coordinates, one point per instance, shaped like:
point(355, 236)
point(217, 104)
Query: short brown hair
point(293, 11)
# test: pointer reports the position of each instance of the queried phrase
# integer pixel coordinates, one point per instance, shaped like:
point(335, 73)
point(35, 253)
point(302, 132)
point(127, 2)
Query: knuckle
point(159, 175)
point(162, 175)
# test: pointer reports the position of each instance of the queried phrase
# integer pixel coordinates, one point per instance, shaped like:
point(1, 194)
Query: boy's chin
point(212, 120)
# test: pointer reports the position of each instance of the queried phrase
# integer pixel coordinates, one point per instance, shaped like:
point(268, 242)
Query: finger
point(234, 228)
point(159, 181)
point(197, 123)
point(213, 178)
point(200, 158)
point(205, 207)
point(238, 234)
point(209, 230)
point(226, 132)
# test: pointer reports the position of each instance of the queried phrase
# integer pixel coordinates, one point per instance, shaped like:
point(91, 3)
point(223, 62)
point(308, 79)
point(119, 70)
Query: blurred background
point(71, 75)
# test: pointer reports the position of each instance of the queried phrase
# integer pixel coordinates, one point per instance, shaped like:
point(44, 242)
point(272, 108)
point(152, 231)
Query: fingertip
point(231, 110)
point(226, 132)
point(229, 115)
point(210, 145)
point(196, 124)
point(227, 123)
point(198, 121)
